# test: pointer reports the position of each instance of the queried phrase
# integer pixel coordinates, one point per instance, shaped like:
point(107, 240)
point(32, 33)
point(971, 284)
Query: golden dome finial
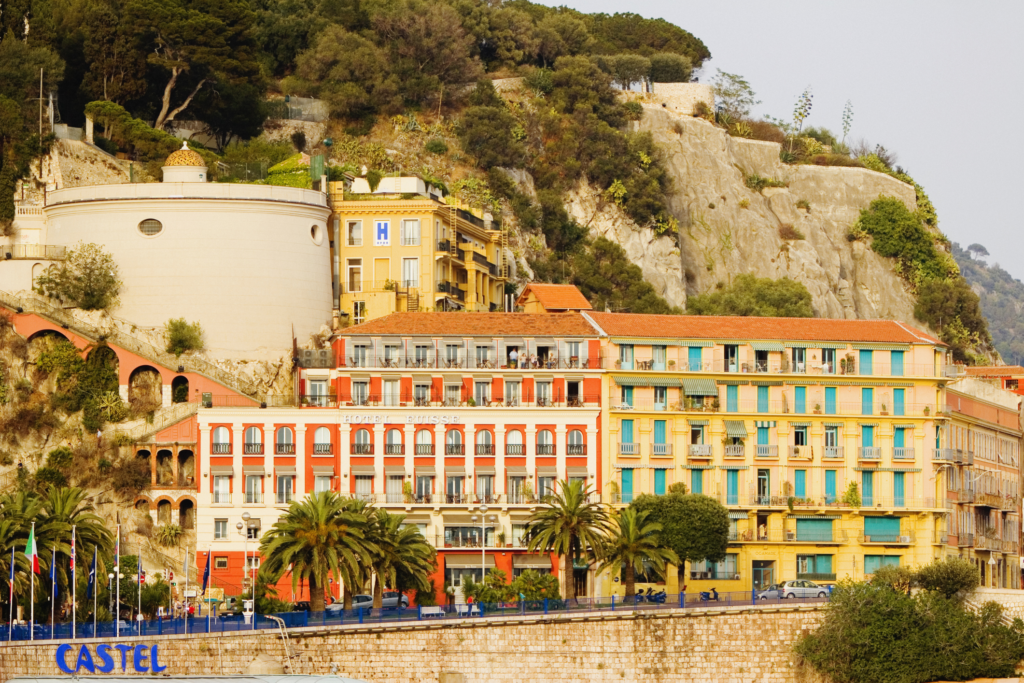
point(185, 157)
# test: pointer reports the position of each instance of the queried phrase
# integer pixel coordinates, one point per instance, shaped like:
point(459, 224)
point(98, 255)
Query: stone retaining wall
point(696, 645)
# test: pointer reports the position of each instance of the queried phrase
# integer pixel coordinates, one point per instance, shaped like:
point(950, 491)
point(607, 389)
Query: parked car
point(364, 601)
point(793, 589)
point(389, 600)
point(301, 606)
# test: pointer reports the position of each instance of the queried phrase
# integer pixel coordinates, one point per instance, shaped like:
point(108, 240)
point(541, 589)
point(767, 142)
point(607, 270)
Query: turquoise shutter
point(899, 437)
point(659, 482)
point(659, 431)
point(872, 563)
point(815, 530)
point(696, 481)
point(897, 364)
point(867, 487)
point(800, 394)
point(882, 529)
point(830, 400)
point(867, 400)
point(898, 488)
point(733, 484)
point(694, 358)
point(732, 398)
point(762, 436)
point(823, 564)
point(898, 398)
point(627, 486)
point(867, 437)
point(627, 396)
point(800, 483)
point(627, 432)
point(762, 399)
point(830, 486)
point(865, 362)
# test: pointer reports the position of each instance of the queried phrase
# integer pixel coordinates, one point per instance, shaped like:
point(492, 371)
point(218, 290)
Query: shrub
point(758, 183)
point(851, 497)
point(766, 131)
point(951, 576)
point(183, 336)
point(668, 67)
point(898, 577)
point(486, 133)
point(540, 80)
point(299, 141)
point(804, 204)
point(130, 477)
point(87, 279)
point(436, 146)
point(60, 458)
point(168, 534)
point(952, 308)
point(788, 232)
point(753, 296)
point(744, 203)
point(50, 476)
point(899, 233)
point(634, 110)
point(678, 487)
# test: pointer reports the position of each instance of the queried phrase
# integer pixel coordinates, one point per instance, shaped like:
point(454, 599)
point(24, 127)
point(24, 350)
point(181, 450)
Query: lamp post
point(110, 594)
point(243, 528)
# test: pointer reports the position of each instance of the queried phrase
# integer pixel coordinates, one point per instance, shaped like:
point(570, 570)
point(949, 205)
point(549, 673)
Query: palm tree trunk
point(378, 593)
point(570, 578)
point(346, 596)
point(630, 581)
point(316, 595)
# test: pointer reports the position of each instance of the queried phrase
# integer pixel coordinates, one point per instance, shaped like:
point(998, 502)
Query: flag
point(71, 558)
point(11, 580)
point(92, 574)
point(206, 572)
point(31, 551)
point(53, 574)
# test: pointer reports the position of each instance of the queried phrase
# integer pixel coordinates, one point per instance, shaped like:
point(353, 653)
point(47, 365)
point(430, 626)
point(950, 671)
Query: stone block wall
point(679, 98)
point(725, 646)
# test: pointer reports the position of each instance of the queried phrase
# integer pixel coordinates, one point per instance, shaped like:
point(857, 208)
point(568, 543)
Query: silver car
point(793, 589)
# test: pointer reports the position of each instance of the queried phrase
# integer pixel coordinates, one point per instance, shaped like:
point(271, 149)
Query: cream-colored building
point(250, 263)
point(400, 248)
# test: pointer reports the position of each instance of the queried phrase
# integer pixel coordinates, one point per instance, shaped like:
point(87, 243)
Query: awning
point(547, 471)
point(737, 515)
point(886, 469)
point(700, 387)
point(323, 470)
point(466, 561)
point(516, 471)
point(827, 345)
point(736, 429)
point(767, 346)
point(531, 562)
point(454, 471)
point(631, 381)
point(576, 472)
point(485, 470)
point(831, 424)
point(766, 382)
point(816, 516)
point(254, 470)
point(452, 303)
point(881, 347)
point(799, 424)
point(284, 470)
point(363, 471)
point(906, 426)
point(425, 471)
point(222, 471)
point(701, 343)
point(764, 424)
point(394, 470)
point(697, 467)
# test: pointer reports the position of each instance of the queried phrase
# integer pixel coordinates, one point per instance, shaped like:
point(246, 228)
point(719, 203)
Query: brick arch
point(47, 331)
point(160, 499)
point(177, 503)
point(146, 500)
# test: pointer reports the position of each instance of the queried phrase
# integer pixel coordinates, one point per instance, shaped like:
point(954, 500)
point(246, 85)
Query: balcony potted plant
point(715, 404)
point(927, 411)
point(618, 365)
point(842, 365)
point(885, 409)
point(407, 492)
point(501, 539)
point(817, 409)
point(671, 365)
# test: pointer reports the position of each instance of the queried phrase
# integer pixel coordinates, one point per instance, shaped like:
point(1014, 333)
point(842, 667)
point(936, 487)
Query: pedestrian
point(513, 358)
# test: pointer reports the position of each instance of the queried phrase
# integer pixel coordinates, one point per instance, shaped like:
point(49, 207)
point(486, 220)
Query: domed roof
point(185, 157)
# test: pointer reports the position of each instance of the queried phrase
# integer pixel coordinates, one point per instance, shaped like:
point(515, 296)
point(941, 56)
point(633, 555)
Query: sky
point(940, 83)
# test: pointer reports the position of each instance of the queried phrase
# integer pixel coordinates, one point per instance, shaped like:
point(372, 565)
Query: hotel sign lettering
point(408, 419)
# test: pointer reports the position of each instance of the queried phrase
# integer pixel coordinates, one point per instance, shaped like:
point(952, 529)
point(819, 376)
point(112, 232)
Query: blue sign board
point(142, 658)
point(382, 234)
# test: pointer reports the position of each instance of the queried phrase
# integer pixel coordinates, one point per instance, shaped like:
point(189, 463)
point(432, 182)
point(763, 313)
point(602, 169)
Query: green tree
point(952, 308)
point(486, 133)
point(750, 295)
point(115, 61)
point(403, 560)
point(694, 527)
point(570, 525)
point(230, 109)
point(189, 42)
point(561, 34)
point(581, 86)
point(627, 69)
point(633, 545)
point(533, 585)
point(733, 95)
point(183, 336)
point(951, 576)
point(317, 538)
point(667, 67)
point(629, 32)
point(87, 279)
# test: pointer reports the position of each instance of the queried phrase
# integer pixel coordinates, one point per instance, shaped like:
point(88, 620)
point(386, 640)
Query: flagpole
point(185, 591)
point(32, 591)
point(53, 589)
point(10, 620)
point(138, 584)
point(95, 590)
point(117, 570)
point(209, 553)
point(74, 586)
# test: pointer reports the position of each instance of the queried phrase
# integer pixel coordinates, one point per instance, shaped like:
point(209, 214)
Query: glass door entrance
point(763, 574)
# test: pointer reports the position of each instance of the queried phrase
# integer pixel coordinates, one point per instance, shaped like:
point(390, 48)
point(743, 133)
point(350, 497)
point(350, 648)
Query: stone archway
point(164, 467)
point(179, 389)
point(186, 468)
point(163, 512)
point(145, 389)
point(187, 514)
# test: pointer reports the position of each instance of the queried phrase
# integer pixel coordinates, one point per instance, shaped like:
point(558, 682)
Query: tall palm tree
point(318, 538)
point(404, 560)
point(634, 544)
point(353, 580)
point(571, 526)
point(64, 508)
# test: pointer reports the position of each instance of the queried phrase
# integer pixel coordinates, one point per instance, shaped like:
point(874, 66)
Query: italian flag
point(31, 551)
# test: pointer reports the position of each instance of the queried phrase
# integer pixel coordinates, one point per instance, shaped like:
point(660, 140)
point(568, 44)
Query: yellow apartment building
point(401, 247)
point(817, 435)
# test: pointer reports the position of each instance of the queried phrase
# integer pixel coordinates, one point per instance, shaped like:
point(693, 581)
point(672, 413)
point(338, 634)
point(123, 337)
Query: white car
point(793, 589)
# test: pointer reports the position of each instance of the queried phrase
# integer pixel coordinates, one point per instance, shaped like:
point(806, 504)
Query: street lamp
point(243, 528)
point(110, 594)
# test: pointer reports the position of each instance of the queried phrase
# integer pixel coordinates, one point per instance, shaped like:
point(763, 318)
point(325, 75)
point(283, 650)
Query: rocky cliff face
point(727, 229)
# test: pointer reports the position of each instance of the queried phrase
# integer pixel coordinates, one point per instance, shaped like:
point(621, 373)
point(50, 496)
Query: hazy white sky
point(938, 82)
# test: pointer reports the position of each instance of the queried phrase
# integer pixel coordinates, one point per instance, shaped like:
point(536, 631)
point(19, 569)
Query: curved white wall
point(247, 269)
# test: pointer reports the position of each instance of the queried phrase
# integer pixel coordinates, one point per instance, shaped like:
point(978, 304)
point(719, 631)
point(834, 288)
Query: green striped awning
point(868, 424)
point(862, 382)
point(703, 343)
point(799, 424)
point(764, 424)
point(698, 423)
point(767, 346)
point(634, 381)
point(886, 469)
point(766, 382)
point(734, 467)
point(733, 382)
point(698, 467)
point(700, 387)
point(636, 341)
point(832, 424)
point(736, 429)
point(829, 345)
point(881, 347)
point(906, 426)
point(899, 384)
point(816, 516)
point(738, 515)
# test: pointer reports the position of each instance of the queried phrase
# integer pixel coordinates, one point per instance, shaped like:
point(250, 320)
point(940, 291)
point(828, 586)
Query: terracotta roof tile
point(477, 324)
point(995, 371)
point(752, 328)
point(558, 296)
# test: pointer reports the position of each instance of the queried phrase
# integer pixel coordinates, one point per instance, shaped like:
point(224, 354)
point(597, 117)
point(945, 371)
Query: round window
point(150, 227)
point(316, 234)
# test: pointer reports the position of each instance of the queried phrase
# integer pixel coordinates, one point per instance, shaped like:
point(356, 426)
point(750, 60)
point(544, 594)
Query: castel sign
point(142, 658)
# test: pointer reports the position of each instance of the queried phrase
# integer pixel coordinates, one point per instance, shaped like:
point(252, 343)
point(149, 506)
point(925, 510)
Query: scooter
point(655, 597)
point(709, 597)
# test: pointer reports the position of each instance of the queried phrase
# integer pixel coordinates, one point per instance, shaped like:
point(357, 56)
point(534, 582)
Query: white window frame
point(354, 238)
point(411, 232)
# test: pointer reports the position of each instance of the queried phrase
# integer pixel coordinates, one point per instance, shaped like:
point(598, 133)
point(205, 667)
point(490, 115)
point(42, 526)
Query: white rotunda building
point(250, 263)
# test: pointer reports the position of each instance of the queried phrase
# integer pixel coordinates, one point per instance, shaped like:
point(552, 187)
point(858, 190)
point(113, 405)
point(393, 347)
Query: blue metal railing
point(370, 616)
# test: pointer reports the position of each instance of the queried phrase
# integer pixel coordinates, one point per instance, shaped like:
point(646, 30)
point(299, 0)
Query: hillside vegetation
point(1001, 296)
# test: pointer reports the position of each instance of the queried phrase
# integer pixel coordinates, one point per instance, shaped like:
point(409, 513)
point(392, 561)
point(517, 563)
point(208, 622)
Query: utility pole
point(40, 106)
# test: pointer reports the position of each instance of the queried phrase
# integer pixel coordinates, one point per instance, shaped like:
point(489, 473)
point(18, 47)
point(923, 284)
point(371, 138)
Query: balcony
point(940, 538)
point(394, 449)
point(454, 449)
point(545, 449)
point(964, 540)
point(253, 497)
point(902, 453)
point(800, 452)
point(1011, 547)
point(221, 449)
point(945, 455)
point(869, 453)
point(1010, 503)
point(576, 449)
point(284, 449)
point(902, 538)
point(323, 449)
point(699, 450)
point(735, 451)
point(629, 449)
point(815, 576)
point(786, 536)
point(989, 500)
point(661, 449)
point(253, 449)
point(424, 449)
point(515, 449)
point(833, 453)
point(361, 449)
point(982, 542)
point(484, 449)
point(766, 451)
